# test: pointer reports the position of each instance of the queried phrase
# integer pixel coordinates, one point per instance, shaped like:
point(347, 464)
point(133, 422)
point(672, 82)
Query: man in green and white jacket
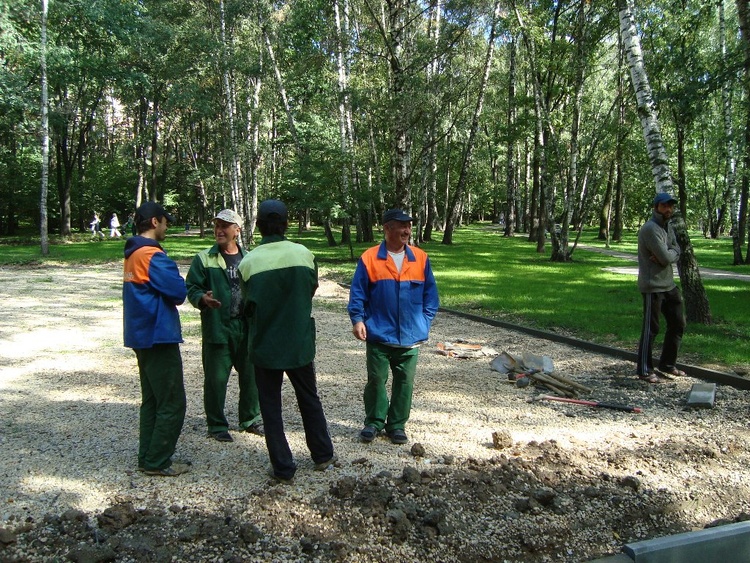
point(213, 286)
point(279, 279)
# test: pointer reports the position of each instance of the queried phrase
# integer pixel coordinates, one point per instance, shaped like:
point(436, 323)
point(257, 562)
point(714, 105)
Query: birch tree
point(230, 113)
point(743, 14)
point(450, 219)
point(43, 221)
point(729, 157)
point(696, 302)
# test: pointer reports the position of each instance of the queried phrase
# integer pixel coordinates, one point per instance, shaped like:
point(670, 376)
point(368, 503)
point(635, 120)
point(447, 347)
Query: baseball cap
point(151, 209)
point(272, 209)
point(230, 216)
point(664, 197)
point(395, 215)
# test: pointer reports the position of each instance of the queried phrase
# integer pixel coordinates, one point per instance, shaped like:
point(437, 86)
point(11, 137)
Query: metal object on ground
point(596, 404)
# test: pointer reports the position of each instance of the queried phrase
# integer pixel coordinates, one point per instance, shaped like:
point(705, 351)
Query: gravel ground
point(558, 482)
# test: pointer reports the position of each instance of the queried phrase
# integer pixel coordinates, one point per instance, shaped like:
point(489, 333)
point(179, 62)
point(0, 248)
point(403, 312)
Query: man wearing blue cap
point(657, 252)
point(392, 302)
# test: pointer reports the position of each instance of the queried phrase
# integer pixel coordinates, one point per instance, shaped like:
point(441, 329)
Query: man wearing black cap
point(213, 284)
point(657, 252)
point(392, 302)
point(151, 290)
point(279, 279)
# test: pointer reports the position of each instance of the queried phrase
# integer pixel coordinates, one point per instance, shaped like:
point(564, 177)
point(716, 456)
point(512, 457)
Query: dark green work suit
point(224, 342)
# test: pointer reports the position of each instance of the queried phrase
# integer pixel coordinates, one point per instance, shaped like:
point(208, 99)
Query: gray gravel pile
point(488, 474)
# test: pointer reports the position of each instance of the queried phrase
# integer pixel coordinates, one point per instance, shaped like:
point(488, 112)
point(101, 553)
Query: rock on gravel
point(487, 475)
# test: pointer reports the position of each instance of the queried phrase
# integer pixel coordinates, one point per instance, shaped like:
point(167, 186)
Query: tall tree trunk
point(253, 123)
point(730, 159)
point(140, 150)
point(291, 122)
point(605, 213)
point(344, 105)
point(560, 251)
point(471, 141)
point(43, 220)
point(618, 222)
point(155, 118)
point(743, 14)
point(230, 115)
point(696, 302)
point(431, 167)
point(511, 188)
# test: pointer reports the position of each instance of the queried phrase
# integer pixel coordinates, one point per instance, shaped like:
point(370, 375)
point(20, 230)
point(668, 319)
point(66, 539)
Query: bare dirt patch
point(569, 484)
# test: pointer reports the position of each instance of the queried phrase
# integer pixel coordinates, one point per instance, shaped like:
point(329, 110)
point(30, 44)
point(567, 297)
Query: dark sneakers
point(280, 480)
point(221, 436)
point(323, 465)
point(172, 471)
point(398, 436)
point(367, 434)
point(256, 428)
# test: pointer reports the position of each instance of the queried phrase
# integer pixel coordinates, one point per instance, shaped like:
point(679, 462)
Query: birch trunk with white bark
point(696, 302)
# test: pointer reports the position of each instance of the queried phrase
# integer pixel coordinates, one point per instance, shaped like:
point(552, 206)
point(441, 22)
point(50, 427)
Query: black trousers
point(313, 419)
point(669, 304)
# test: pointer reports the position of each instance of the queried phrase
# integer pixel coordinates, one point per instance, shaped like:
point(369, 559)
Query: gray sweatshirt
point(658, 240)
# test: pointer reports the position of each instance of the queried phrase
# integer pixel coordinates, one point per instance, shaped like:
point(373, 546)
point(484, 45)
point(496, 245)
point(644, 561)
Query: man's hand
point(359, 331)
point(209, 301)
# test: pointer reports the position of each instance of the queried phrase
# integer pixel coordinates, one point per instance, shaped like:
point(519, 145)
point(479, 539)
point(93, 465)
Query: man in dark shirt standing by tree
point(657, 252)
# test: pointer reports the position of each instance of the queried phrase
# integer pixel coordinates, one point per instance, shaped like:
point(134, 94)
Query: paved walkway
point(705, 272)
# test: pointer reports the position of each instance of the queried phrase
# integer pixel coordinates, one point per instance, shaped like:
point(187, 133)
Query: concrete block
point(702, 395)
point(722, 543)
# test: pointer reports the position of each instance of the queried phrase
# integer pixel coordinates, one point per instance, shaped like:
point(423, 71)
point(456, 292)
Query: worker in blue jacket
point(151, 291)
point(392, 302)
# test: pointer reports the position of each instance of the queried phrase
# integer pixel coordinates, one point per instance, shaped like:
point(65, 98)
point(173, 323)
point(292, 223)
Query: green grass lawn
point(490, 275)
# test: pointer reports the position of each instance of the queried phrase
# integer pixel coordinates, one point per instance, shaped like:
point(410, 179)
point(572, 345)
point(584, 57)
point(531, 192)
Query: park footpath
point(705, 272)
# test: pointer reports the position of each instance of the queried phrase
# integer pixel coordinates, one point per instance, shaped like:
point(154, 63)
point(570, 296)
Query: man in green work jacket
point(279, 279)
point(213, 286)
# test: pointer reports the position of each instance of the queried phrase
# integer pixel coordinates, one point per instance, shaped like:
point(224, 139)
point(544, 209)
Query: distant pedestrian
point(114, 227)
point(96, 228)
point(279, 279)
point(151, 290)
point(129, 228)
point(657, 252)
point(213, 284)
point(392, 301)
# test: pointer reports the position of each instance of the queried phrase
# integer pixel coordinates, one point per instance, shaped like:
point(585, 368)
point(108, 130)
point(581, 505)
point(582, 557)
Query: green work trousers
point(218, 360)
point(163, 404)
point(403, 363)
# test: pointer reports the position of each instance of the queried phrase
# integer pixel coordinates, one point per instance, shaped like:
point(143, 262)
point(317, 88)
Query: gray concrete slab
point(702, 395)
point(619, 558)
point(727, 544)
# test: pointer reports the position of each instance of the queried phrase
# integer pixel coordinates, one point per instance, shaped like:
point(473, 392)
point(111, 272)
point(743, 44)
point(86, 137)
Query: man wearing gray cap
point(279, 279)
point(392, 301)
point(213, 286)
point(657, 252)
point(151, 290)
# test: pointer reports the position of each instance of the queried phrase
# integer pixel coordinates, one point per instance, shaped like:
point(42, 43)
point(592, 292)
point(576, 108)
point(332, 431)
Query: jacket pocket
point(416, 291)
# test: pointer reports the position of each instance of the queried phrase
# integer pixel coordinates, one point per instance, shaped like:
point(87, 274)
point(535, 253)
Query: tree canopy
point(521, 113)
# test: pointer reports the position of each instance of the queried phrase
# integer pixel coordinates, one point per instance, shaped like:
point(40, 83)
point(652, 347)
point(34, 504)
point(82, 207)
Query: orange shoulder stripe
point(137, 265)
